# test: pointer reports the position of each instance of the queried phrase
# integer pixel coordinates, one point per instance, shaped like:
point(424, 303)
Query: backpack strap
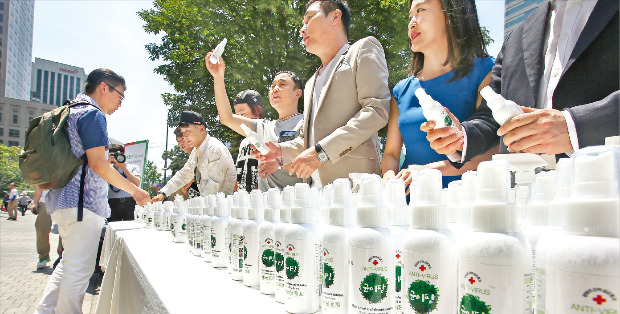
point(80, 212)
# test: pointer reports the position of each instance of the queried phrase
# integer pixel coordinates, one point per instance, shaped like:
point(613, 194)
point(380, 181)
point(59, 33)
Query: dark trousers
point(121, 209)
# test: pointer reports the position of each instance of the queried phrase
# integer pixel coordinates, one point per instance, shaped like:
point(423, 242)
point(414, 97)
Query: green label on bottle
point(292, 268)
point(374, 288)
point(423, 296)
point(213, 241)
point(473, 304)
point(267, 258)
point(279, 262)
point(328, 275)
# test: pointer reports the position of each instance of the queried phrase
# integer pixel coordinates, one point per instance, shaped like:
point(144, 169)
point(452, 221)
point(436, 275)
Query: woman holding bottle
point(451, 64)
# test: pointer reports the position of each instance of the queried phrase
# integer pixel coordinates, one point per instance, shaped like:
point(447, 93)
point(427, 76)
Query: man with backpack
point(81, 206)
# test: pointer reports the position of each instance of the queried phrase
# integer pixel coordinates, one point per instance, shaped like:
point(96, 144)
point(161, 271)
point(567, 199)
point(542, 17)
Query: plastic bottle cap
point(494, 181)
point(428, 212)
point(396, 201)
point(244, 203)
point(491, 98)
point(371, 211)
point(493, 211)
point(340, 210)
point(272, 210)
point(302, 212)
point(256, 209)
point(423, 98)
point(429, 187)
point(221, 202)
point(543, 192)
point(455, 200)
point(594, 204)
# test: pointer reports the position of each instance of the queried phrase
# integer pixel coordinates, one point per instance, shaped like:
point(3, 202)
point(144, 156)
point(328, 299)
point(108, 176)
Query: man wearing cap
point(210, 163)
point(284, 95)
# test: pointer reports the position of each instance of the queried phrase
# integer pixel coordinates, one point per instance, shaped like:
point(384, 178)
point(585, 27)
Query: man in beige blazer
point(347, 101)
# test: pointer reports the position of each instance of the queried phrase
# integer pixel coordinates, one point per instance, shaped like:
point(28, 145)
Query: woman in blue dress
point(451, 64)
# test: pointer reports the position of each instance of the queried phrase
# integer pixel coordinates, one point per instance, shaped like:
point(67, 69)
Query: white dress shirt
point(567, 20)
point(319, 82)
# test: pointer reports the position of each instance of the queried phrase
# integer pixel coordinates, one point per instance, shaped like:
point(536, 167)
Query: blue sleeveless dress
point(459, 96)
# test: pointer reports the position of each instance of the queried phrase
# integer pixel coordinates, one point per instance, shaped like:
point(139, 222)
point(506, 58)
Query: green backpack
point(47, 159)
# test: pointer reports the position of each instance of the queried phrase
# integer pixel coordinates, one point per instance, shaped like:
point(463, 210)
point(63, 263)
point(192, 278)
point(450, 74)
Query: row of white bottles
point(464, 252)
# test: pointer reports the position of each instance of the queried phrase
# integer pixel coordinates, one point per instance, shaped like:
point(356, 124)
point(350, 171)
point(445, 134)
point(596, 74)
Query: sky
point(109, 34)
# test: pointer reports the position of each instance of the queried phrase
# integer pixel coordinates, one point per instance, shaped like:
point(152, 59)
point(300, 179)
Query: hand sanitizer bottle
point(267, 235)
point(149, 217)
point(502, 109)
point(237, 239)
point(288, 197)
point(218, 51)
point(396, 201)
point(495, 260)
point(433, 110)
point(255, 139)
point(302, 257)
point(219, 224)
point(555, 213)
point(206, 220)
point(250, 234)
point(180, 224)
point(543, 192)
point(583, 265)
point(168, 207)
point(429, 251)
point(372, 269)
point(335, 246)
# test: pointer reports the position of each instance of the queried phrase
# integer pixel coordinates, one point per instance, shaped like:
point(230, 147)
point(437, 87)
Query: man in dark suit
point(561, 66)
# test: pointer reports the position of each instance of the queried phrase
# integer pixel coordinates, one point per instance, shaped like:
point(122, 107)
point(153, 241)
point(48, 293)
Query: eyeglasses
point(116, 90)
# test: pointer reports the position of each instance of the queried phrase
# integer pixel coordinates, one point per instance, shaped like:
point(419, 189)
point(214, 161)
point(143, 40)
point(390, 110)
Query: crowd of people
point(560, 66)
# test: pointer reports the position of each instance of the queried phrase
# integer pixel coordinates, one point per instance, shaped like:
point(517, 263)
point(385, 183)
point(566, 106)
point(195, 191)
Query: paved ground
point(21, 284)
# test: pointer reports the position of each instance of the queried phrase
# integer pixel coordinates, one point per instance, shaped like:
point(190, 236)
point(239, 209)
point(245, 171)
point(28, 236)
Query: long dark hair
point(464, 38)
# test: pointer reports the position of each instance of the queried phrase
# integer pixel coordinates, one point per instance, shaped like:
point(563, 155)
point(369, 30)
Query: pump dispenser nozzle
point(340, 210)
point(493, 211)
point(256, 209)
point(371, 211)
point(428, 211)
point(543, 193)
point(502, 109)
point(272, 210)
point(594, 205)
point(396, 201)
point(302, 211)
point(221, 208)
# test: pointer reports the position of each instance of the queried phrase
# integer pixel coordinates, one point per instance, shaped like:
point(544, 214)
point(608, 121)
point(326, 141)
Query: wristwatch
point(321, 153)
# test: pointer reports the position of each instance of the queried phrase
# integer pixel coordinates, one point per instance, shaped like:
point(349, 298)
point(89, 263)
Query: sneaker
point(42, 263)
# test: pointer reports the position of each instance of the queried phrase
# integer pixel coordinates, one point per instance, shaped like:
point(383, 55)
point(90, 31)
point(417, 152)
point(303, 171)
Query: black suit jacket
point(588, 87)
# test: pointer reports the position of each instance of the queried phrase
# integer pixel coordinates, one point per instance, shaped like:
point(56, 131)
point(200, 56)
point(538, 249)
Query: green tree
point(263, 38)
point(176, 159)
point(151, 176)
point(9, 169)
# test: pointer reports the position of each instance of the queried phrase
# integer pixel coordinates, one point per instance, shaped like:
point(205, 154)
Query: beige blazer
point(354, 105)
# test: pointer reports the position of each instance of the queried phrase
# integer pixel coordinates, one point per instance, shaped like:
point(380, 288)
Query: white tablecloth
point(145, 272)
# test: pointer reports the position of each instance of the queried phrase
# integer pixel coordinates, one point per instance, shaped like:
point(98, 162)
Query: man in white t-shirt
point(121, 203)
point(284, 95)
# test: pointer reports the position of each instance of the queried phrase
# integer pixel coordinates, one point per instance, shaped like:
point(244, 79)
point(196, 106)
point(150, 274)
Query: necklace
point(286, 118)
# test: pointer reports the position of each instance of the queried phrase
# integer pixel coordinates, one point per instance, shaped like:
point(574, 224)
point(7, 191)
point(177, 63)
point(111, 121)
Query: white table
point(145, 272)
